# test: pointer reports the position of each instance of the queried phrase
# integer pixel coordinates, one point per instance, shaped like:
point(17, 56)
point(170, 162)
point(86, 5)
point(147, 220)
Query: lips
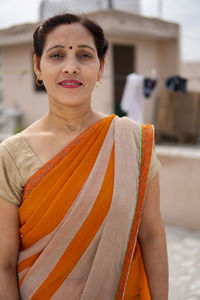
point(70, 83)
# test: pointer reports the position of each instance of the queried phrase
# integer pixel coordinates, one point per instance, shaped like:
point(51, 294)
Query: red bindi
point(70, 47)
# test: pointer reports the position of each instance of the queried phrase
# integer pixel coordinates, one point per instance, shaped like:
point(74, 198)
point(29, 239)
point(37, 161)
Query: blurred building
point(1, 91)
point(191, 70)
point(52, 7)
point(137, 44)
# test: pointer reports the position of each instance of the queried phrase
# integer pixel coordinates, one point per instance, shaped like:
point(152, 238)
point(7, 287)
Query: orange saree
point(80, 216)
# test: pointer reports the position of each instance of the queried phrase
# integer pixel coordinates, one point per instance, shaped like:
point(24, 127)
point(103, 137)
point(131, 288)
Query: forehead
point(69, 34)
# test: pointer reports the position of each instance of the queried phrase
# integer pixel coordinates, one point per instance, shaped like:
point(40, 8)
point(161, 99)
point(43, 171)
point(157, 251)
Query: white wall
point(191, 71)
point(18, 84)
point(179, 184)
point(102, 98)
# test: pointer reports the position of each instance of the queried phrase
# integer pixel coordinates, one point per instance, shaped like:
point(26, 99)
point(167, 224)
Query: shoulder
point(12, 153)
point(136, 128)
point(11, 181)
point(128, 122)
point(12, 141)
point(129, 131)
point(142, 134)
point(16, 153)
point(13, 145)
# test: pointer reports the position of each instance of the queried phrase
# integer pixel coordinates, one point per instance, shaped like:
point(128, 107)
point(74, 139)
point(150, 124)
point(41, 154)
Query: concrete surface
point(184, 263)
point(179, 185)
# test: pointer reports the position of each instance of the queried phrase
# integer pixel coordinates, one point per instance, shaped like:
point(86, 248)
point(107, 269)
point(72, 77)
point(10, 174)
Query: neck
point(70, 119)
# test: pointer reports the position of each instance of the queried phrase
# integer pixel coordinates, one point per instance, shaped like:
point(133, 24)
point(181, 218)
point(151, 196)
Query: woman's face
point(69, 66)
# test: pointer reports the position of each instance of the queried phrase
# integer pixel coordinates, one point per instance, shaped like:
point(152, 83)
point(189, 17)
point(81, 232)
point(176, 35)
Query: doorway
point(123, 62)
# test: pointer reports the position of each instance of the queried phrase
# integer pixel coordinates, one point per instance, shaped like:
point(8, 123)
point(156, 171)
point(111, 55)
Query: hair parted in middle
point(41, 32)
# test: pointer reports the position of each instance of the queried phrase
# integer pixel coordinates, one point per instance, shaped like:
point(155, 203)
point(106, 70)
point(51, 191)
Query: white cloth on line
point(133, 98)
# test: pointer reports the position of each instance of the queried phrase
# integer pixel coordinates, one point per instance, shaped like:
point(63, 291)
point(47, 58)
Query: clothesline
point(137, 87)
point(122, 77)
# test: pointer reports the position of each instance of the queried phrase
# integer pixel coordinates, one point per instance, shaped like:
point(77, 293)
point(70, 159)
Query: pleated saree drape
point(80, 216)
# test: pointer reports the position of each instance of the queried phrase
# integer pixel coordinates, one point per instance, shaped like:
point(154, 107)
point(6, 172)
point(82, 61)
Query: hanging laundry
point(133, 97)
point(176, 83)
point(149, 85)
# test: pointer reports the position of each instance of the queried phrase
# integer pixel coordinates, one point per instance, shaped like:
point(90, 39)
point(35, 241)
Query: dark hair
point(41, 32)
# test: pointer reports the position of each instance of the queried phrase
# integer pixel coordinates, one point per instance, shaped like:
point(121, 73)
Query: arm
point(9, 249)
point(153, 243)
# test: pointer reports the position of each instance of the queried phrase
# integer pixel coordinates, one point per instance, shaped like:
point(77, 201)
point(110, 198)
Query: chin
point(72, 103)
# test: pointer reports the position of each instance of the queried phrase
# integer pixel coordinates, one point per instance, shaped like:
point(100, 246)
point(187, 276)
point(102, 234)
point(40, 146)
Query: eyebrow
point(80, 46)
point(86, 46)
point(56, 46)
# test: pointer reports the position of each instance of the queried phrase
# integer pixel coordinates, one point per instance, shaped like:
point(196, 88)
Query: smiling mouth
point(70, 83)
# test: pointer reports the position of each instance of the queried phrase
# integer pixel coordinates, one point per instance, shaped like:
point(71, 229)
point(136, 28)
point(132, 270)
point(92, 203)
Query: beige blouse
point(18, 163)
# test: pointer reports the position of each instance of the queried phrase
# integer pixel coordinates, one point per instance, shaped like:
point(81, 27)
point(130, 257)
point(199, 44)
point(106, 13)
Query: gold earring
point(39, 82)
point(98, 83)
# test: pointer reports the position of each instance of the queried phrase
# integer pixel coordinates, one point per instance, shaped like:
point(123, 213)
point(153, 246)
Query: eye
point(56, 55)
point(85, 56)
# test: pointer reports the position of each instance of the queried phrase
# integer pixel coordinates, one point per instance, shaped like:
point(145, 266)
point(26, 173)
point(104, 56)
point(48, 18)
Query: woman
point(73, 186)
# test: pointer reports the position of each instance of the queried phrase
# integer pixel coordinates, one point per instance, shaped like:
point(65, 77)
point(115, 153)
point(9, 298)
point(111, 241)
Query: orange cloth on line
point(51, 196)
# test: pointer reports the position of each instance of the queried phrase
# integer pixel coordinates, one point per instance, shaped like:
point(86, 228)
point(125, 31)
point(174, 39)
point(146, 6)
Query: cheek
point(92, 80)
point(48, 73)
point(94, 74)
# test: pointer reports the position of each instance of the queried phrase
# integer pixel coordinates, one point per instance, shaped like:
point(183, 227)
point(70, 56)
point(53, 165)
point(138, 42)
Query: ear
point(36, 65)
point(101, 70)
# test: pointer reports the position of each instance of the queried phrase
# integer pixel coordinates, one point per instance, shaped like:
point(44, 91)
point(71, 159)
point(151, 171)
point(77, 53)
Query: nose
point(70, 68)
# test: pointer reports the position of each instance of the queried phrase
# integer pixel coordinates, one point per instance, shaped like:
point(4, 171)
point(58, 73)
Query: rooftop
point(114, 22)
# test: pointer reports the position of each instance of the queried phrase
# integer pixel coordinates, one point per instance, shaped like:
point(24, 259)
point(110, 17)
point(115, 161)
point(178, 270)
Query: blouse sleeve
point(154, 167)
point(10, 179)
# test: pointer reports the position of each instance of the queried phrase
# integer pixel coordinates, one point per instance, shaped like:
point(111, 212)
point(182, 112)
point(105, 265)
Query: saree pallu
point(80, 216)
